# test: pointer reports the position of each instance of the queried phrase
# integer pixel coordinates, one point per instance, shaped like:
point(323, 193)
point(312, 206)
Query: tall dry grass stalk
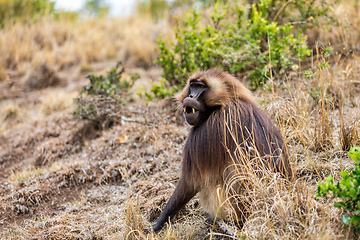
point(135, 223)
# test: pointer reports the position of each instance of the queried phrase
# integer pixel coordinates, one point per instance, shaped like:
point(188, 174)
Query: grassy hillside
point(65, 178)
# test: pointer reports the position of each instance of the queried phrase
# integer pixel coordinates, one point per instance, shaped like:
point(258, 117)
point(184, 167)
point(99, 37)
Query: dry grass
point(66, 43)
point(57, 100)
point(319, 119)
point(277, 208)
point(3, 72)
point(11, 114)
point(27, 175)
point(15, 114)
point(345, 36)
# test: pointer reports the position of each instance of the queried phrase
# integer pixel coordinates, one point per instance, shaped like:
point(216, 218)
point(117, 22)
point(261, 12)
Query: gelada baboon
point(228, 129)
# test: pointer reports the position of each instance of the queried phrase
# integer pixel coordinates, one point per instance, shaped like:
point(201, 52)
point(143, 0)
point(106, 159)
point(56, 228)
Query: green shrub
point(110, 85)
point(158, 91)
point(251, 44)
point(101, 100)
point(347, 189)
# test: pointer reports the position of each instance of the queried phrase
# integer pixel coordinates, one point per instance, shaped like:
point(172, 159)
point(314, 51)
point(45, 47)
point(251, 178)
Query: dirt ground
point(63, 178)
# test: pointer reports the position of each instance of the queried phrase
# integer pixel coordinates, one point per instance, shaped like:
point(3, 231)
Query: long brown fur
point(234, 133)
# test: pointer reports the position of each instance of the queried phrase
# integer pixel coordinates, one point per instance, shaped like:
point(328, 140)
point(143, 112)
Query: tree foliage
point(250, 44)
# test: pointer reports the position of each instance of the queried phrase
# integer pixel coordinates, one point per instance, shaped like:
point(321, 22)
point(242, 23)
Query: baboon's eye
point(198, 85)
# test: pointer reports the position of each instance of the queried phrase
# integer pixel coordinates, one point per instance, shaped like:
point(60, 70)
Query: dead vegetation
point(65, 43)
point(61, 178)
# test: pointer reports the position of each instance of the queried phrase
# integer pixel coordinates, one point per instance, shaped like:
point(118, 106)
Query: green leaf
point(339, 204)
point(346, 219)
point(348, 190)
point(354, 153)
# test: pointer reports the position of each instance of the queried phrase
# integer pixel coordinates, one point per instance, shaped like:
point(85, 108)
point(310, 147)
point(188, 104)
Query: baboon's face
point(193, 105)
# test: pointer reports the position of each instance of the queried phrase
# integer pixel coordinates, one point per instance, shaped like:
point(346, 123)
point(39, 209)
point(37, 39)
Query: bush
point(158, 91)
point(14, 10)
point(101, 100)
point(251, 44)
point(301, 13)
point(348, 189)
point(109, 86)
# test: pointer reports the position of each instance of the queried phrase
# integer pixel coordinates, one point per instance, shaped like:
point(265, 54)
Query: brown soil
point(58, 165)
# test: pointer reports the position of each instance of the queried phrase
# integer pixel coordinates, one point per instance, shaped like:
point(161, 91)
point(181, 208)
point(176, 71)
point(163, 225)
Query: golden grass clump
point(20, 178)
point(11, 114)
point(135, 223)
point(57, 100)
